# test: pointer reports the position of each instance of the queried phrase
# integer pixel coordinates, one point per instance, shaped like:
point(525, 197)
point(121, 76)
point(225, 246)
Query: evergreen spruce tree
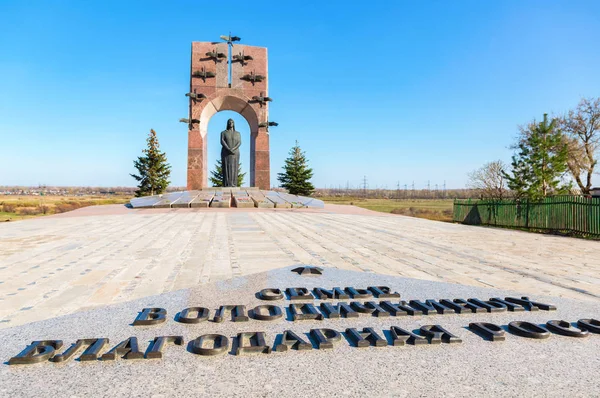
point(216, 177)
point(296, 176)
point(540, 162)
point(153, 169)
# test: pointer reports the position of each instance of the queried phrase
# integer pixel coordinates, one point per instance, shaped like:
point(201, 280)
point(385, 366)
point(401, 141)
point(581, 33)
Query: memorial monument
point(228, 76)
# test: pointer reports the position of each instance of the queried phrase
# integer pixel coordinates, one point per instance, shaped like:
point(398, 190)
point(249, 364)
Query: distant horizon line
point(184, 188)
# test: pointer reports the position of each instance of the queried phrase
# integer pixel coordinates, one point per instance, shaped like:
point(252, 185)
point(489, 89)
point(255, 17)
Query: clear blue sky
point(394, 90)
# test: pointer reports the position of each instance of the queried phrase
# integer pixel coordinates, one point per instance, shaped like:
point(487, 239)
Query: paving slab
point(203, 199)
point(147, 201)
point(293, 200)
point(221, 199)
point(556, 366)
point(278, 201)
point(260, 200)
point(185, 199)
point(242, 201)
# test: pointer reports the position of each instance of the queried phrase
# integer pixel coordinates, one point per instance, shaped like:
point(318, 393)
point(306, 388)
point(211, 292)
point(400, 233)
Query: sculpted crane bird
point(252, 77)
point(261, 99)
point(203, 74)
point(230, 39)
point(268, 124)
point(215, 55)
point(190, 122)
point(241, 58)
point(195, 96)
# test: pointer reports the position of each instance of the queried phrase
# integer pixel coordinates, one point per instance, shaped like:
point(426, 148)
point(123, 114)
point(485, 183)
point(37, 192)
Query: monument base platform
point(226, 197)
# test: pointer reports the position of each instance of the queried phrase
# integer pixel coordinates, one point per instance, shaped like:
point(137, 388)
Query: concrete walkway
point(58, 265)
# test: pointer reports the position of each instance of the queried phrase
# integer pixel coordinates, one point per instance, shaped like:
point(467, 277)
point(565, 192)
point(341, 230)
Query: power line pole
point(365, 186)
point(398, 191)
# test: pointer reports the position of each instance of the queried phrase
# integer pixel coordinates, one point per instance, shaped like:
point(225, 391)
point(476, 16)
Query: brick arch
point(224, 96)
point(236, 104)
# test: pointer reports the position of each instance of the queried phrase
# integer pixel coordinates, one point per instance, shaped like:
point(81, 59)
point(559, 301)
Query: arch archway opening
point(245, 111)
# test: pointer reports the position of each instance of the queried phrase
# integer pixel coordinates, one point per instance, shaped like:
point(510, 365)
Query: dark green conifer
point(153, 169)
point(296, 176)
point(540, 162)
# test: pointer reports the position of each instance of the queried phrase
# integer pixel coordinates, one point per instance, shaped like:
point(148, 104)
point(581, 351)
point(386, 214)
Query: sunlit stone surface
point(226, 197)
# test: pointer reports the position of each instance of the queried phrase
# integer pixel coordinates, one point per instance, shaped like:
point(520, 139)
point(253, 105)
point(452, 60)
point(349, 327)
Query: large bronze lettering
point(91, 353)
point(158, 345)
point(292, 340)
point(150, 316)
point(436, 334)
point(127, 349)
point(252, 343)
point(38, 351)
point(218, 344)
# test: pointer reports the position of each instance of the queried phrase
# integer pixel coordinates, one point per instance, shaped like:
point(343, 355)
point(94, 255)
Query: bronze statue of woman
point(230, 154)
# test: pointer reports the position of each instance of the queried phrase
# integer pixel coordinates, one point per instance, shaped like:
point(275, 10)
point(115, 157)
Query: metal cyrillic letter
point(299, 293)
point(564, 328)
point(528, 329)
point(489, 331)
point(220, 344)
point(159, 343)
point(401, 337)
point(365, 338)
point(38, 351)
point(325, 337)
point(591, 325)
point(266, 312)
point(302, 312)
point(150, 316)
point(238, 313)
point(201, 315)
point(270, 294)
point(127, 349)
point(437, 334)
point(292, 340)
point(252, 343)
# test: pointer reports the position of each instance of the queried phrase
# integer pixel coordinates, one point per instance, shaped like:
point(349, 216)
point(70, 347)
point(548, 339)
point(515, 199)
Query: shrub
point(28, 211)
point(8, 207)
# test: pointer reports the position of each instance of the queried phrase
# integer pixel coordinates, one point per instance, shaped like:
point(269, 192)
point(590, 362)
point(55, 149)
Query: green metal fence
point(570, 214)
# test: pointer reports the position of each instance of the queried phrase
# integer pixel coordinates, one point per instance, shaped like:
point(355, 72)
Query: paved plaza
point(95, 256)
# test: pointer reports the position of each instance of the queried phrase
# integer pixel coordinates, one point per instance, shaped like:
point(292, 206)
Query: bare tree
point(581, 127)
point(489, 180)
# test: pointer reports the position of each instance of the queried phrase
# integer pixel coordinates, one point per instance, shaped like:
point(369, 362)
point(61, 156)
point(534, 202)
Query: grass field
point(432, 209)
point(17, 207)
